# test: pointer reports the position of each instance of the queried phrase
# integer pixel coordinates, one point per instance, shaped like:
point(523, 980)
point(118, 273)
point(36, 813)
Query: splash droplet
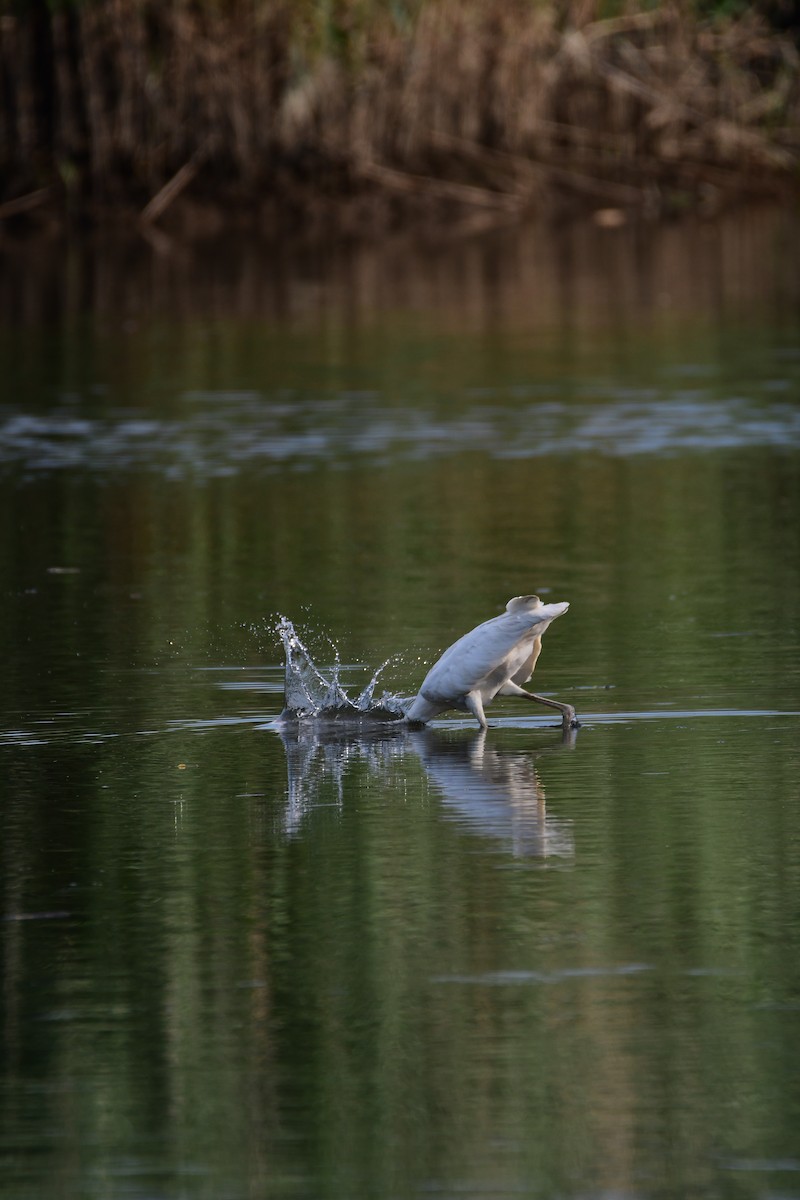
point(309, 692)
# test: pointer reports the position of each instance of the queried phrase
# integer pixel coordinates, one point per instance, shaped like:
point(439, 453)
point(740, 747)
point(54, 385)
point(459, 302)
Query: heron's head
point(532, 604)
point(523, 604)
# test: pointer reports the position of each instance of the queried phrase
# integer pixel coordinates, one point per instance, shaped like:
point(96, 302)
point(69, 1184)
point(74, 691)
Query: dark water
point(363, 962)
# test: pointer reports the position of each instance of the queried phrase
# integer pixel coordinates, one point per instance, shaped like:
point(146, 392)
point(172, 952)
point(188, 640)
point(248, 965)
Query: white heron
point(491, 660)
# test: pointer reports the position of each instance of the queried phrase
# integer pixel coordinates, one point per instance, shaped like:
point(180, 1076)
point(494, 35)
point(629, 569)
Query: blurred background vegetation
point(208, 110)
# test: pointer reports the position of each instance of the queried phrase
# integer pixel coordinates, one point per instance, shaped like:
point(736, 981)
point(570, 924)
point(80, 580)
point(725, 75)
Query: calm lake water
point(240, 962)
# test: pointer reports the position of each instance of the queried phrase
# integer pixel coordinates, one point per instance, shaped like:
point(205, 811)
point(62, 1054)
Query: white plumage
point(491, 660)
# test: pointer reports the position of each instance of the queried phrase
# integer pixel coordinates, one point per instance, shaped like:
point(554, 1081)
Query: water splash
point(309, 693)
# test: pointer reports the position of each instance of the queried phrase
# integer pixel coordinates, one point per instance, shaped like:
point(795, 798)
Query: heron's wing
point(478, 655)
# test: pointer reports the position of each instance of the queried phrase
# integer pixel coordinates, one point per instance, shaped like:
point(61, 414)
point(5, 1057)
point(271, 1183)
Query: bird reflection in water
point(488, 790)
point(495, 792)
point(319, 756)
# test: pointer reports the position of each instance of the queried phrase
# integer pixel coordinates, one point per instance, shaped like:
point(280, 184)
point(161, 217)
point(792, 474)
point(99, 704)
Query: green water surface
point(245, 962)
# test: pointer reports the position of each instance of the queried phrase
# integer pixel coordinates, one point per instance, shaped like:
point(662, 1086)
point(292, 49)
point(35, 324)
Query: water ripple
point(221, 433)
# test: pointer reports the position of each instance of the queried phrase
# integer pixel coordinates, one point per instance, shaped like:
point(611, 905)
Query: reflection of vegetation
point(445, 104)
point(177, 564)
point(224, 1005)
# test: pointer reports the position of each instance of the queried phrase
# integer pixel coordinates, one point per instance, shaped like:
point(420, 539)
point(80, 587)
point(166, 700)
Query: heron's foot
point(568, 719)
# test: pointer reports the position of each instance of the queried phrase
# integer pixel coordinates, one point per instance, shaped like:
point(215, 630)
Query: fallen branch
point(23, 204)
point(534, 169)
point(169, 192)
point(465, 193)
point(523, 174)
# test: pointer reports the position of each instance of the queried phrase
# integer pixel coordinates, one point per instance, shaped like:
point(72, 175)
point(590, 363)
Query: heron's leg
point(475, 705)
point(568, 718)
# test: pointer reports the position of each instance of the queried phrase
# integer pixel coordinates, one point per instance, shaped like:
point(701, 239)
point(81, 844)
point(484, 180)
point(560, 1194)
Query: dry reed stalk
point(69, 141)
point(18, 137)
point(93, 64)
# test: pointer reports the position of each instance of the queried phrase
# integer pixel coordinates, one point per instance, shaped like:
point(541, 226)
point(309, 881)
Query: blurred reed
point(487, 106)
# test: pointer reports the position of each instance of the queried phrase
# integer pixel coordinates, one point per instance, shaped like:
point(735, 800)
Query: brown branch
point(529, 168)
point(169, 192)
point(23, 204)
point(466, 193)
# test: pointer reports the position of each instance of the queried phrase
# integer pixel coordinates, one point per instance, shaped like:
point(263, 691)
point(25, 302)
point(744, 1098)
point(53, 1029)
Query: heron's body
point(494, 659)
